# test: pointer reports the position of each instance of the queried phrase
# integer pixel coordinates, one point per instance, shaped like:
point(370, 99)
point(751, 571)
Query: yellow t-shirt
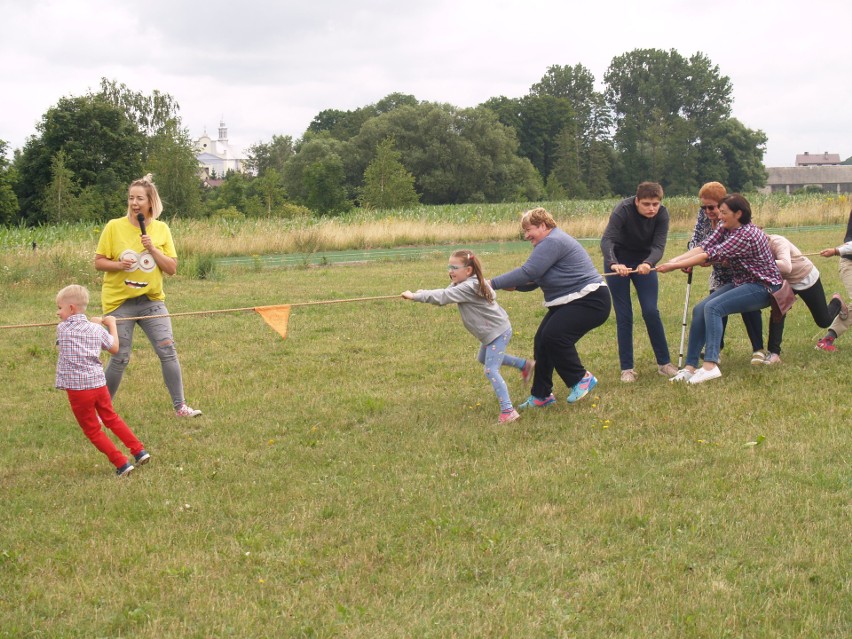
point(120, 238)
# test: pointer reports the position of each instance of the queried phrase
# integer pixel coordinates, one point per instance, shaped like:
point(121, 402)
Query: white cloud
point(269, 68)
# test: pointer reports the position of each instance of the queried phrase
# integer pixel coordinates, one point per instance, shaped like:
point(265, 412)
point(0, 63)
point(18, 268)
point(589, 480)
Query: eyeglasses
point(710, 207)
point(454, 267)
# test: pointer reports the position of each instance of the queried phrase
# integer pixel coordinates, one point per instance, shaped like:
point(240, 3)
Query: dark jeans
point(647, 290)
point(753, 321)
point(814, 298)
point(555, 342)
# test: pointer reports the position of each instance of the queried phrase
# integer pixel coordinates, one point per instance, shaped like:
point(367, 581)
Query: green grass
point(351, 480)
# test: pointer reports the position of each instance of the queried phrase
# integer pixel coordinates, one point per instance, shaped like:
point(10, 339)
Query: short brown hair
point(649, 190)
point(537, 217)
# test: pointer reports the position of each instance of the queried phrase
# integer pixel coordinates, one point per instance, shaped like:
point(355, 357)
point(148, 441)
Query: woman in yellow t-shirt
point(133, 252)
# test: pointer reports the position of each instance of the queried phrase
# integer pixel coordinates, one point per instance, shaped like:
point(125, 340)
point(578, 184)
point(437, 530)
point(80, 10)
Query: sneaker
point(683, 375)
point(582, 388)
point(536, 402)
point(142, 457)
point(826, 344)
point(186, 410)
point(527, 371)
point(669, 370)
point(703, 375)
point(124, 470)
point(757, 358)
point(772, 358)
point(508, 417)
point(844, 312)
point(628, 375)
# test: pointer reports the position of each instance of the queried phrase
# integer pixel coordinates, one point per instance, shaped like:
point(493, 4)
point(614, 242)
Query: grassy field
point(351, 480)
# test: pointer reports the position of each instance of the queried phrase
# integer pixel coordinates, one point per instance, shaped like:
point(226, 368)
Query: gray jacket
point(485, 320)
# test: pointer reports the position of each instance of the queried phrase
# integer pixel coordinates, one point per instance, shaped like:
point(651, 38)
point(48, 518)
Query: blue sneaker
point(535, 402)
point(582, 388)
point(142, 457)
point(124, 470)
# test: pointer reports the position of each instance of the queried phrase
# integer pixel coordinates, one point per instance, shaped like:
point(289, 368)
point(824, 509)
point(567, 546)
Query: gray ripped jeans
point(159, 332)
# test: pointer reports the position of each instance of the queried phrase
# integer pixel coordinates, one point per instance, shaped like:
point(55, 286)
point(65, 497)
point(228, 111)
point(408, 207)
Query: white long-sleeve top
point(798, 270)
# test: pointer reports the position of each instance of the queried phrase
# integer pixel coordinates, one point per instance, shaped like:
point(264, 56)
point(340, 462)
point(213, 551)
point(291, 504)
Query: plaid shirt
point(746, 249)
point(720, 274)
point(80, 343)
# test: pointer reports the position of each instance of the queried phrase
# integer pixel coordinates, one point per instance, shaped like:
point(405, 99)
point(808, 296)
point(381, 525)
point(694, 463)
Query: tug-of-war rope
point(276, 316)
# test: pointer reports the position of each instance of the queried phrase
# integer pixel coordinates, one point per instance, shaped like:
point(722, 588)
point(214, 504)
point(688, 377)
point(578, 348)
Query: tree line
point(660, 116)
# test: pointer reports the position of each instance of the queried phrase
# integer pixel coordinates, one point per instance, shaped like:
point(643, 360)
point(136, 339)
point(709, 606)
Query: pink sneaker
point(826, 344)
point(527, 371)
point(511, 416)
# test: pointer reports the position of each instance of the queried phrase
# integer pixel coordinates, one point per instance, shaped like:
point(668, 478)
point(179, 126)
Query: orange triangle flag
point(276, 317)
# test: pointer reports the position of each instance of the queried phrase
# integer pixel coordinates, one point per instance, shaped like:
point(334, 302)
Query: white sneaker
point(186, 410)
point(703, 375)
point(757, 358)
point(683, 375)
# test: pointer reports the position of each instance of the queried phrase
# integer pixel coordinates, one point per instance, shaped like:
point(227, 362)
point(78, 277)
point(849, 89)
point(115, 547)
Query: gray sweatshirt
point(485, 320)
point(559, 265)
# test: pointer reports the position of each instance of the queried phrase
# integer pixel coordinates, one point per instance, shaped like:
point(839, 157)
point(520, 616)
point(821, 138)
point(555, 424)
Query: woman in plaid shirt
point(707, 221)
point(755, 277)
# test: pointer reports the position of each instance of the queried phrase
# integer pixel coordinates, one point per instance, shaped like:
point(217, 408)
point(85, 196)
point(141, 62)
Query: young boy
point(80, 373)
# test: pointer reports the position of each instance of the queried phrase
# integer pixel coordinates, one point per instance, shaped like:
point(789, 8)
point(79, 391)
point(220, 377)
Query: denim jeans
point(159, 333)
point(706, 328)
point(493, 356)
point(647, 290)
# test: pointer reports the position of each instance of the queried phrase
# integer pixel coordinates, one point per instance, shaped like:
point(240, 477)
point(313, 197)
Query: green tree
point(172, 161)
point(326, 154)
point(269, 190)
point(664, 105)
point(102, 147)
point(274, 154)
point(741, 150)
point(324, 185)
point(456, 155)
point(8, 199)
point(152, 114)
point(387, 184)
point(60, 198)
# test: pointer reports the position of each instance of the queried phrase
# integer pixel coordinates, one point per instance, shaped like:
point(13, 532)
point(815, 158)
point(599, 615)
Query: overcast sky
point(268, 67)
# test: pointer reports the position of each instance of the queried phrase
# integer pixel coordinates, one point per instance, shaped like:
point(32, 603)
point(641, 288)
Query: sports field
point(352, 481)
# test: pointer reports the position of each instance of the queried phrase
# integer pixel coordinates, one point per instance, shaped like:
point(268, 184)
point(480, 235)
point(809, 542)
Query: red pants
point(86, 406)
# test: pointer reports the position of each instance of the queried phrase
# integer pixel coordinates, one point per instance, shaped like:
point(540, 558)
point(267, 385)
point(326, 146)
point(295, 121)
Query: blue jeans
point(159, 333)
point(493, 356)
point(647, 290)
point(705, 332)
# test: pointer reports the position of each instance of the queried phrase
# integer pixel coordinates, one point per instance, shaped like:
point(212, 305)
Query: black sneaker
point(142, 457)
point(124, 470)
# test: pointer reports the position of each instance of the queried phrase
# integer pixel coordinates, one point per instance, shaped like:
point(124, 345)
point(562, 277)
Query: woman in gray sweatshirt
point(576, 298)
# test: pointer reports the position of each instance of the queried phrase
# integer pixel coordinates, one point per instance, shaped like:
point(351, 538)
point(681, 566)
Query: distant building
point(217, 157)
point(817, 159)
point(788, 179)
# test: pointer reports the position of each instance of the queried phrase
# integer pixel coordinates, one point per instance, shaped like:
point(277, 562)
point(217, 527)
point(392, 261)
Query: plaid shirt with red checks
point(80, 343)
point(746, 250)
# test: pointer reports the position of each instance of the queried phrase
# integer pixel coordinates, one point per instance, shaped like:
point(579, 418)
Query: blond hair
point(151, 192)
point(74, 294)
point(537, 217)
